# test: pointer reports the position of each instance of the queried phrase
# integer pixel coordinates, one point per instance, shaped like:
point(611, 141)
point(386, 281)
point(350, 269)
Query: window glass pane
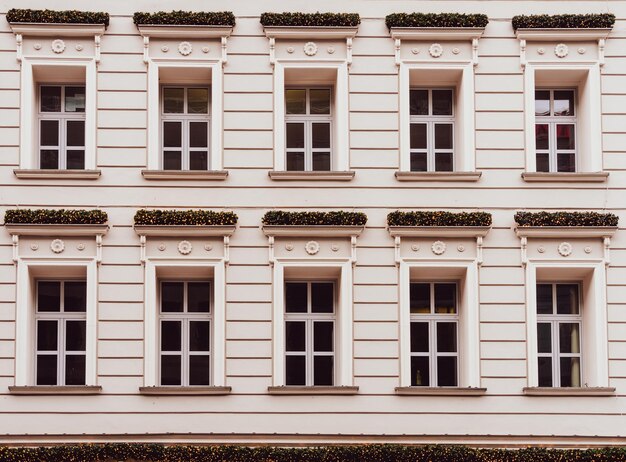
point(295, 368)
point(75, 335)
point(170, 369)
point(197, 100)
point(544, 337)
point(420, 297)
point(420, 373)
point(545, 371)
point(173, 100)
point(171, 336)
point(50, 99)
point(321, 161)
point(199, 367)
point(295, 161)
point(295, 135)
point(443, 161)
point(442, 102)
point(295, 101)
point(543, 162)
point(76, 160)
point(419, 337)
point(565, 136)
point(570, 372)
point(569, 337)
point(419, 162)
point(75, 370)
point(321, 135)
point(48, 296)
point(445, 298)
point(49, 159)
point(567, 299)
point(198, 160)
point(198, 296)
point(74, 99)
point(323, 336)
point(199, 336)
point(443, 136)
point(172, 160)
point(295, 336)
point(46, 369)
point(172, 296)
point(542, 136)
point(75, 296)
point(198, 134)
point(172, 134)
point(49, 135)
point(542, 103)
point(544, 298)
point(446, 337)
point(320, 101)
point(296, 297)
point(566, 162)
point(563, 103)
point(322, 297)
point(47, 335)
point(323, 370)
point(446, 371)
point(419, 102)
point(418, 136)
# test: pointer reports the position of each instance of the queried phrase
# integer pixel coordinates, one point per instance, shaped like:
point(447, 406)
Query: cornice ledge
point(56, 390)
point(56, 29)
point(569, 391)
point(186, 391)
point(571, 34)
point(437, 33)
point(183, 31)
point(185, 230)
point(312, 230)
point(315, 390)
point(438, 176)
point(565, 231)
point(310, 32)
point(569, 177)
point(311, 176)
point(438, 231)
point(440, 391)
point(205, 175)
point(26, 229)
point(45, 174)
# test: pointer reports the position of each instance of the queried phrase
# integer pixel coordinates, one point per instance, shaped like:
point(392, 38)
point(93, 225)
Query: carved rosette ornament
point(208, 247)
point(57, 246)
point(330, 50)
point(435, 50)
point(415, 247)
point(185, 48)
point(58, 46)
point(588, 249)
point(561, 50)
point(34, 247)
point(310, 49)
point(205, 49)
point(184, 247)
point(290, 50)
point(81, 247)
point(289, 247)
point(565, 249)
point(438, 247)
point(162, 247)
point(334, 247)
point(312, 247)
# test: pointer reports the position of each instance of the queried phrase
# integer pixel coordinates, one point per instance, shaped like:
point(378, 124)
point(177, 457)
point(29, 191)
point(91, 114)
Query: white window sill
point(312, 230)
point(28, 229)
point(438, 176)
point(173, 391)
point(562, 177)
point(45, 174)
point(440, 391)
point(569, 391)
point(315, 390)
point(56, 390)
point(205, 175)
point(311, 176)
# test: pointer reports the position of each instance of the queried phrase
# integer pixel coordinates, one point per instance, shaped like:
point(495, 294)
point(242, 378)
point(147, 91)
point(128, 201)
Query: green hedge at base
point(186, 18)
point(361, 453)
point(565, 219)
point(436, 20)
point(279, 217)
point(439, 218)
point(564, 21)
point(311, 19)
point(185, 217)
point(55, 217)
point(57, 17)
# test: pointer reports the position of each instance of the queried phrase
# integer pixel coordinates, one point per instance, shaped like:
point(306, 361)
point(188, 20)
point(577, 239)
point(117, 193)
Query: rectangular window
point(61, 313)
point(559, 323)
point(434, 334)
point(308, 120)
point(310, 333)
point(185, 128)
point(61, 127)
point(432, 130)
point(185, 333)
point(555, 130)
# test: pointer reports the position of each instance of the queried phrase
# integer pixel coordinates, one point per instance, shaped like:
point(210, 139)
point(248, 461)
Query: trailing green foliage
point(311, 19)
point(340, 218)
point(185, 217)
point(57, 17)
point(565, 219)
point(55, 217)
point(439, 218)
point(186, 18)
point(436, 20)
point(564, 21)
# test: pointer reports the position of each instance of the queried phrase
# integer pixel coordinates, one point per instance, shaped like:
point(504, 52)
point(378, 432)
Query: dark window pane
point(446, 337)
point(76, 160)
point(198, 134)
point(49, 133)
point(419, 139)
point(566, 162)
point(542, 136)
point(48, 296)
point(323, 370)
point(198, 296)
point(443, 136)
point(321, 135)
point(544, 337)
point(563, 103)
point(172, 297)
point(75, 335)
point(199, 367)
point(419, 337)
point(295, 336)
point(570, 372)
point(49, 159)
point(442, 102)
point(47, 335)
point(323, 336)
point(420, 297)
point(198, 160)
point(447, 371)
point(419, 162)
point(445, 298)
point(295, 135)
point(295, 370)
point(443, 161)
point(322, 297)
point(419, 102)
point(172, 160)
point(295, 101)
point(565, 136)
point(173, 100)
point(170, 336)
point(172, 134)
point(543, 163)
point(296, 297)
point(199, 336)
point(569, 337)
point(567, 299)
point(420, 373)
point(542, 102)
point(75, 370)
point(295, 161)
point(75, 296)
point(170, 370)
point(544, 298)
point(197, 100)
point(74, 99)
point(46, 369)
point(321, 161)
point(320, 101)
point(50, 99)
point(545, 371)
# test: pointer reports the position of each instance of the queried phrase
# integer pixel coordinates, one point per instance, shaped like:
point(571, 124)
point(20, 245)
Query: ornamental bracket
point(142, 243)
point(524, 250)
point(16, 240)
point(19, 40)
point(272, 50)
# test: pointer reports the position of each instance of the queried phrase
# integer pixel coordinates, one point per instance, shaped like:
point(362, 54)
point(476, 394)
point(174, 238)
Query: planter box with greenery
point(65, 222)
point(575, 27)
point(336, 223)
point(436, 21)
point(310, 25)
point(185, 222)
point(70, 23)
point(439, 223)
point(565, 224)
point(188, 24)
